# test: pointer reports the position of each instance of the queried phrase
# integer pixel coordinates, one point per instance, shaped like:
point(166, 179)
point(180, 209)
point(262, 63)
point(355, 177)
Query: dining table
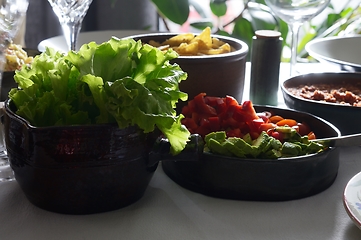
point(169, 211)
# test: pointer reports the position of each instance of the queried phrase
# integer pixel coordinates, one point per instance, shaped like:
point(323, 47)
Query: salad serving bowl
point(262, 179)
point(340, 52)
point(217, 75)
point(79, 169)
point(80, 126)
point(344, 117)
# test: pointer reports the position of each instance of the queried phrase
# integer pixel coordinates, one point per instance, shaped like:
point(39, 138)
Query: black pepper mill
point(265, 65)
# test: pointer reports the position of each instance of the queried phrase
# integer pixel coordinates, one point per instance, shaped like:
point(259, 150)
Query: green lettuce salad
point(120, 81)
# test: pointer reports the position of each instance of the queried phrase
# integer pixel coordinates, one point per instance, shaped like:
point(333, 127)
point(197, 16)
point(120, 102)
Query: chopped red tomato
point(202, 107)
point(311, 135)
point(205, 114)
point(304, 129)
point(236, 132)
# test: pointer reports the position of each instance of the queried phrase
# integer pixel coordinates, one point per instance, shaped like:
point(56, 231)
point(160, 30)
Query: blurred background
point(237, 18)
point(41, 22)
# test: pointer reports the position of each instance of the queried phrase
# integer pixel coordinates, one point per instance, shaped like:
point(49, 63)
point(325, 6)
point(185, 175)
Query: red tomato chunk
point(205, 114)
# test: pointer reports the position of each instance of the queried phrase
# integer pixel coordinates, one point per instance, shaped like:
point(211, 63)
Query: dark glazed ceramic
point(79, 169)
point(261, 179)
point(345, 118)
point(216, 75)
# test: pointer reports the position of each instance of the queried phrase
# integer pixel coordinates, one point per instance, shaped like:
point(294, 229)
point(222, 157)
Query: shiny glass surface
point(12, 15)
point(295, 13)
point(70, 14)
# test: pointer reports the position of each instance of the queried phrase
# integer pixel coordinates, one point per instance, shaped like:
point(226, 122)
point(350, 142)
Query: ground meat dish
point(344, 93)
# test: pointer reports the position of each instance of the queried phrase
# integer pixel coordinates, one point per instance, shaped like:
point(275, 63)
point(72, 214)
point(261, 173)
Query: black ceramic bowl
point(345, 118)
point(262, 179)
point(79, 169)
point(7, 81)
point(216, 75)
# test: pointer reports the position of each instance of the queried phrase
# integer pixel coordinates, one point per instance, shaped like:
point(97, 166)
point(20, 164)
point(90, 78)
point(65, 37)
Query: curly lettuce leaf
point(120, 81)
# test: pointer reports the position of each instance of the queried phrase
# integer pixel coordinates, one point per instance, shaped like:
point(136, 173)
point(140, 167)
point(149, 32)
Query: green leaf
point(202, 24)
point(120, 81)
point(243, 30)
point(176, 11)
point(218, 8)
point(223, 33)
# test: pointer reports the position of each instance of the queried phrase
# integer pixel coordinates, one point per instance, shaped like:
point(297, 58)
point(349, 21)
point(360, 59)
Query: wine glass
point(12, 15)
point(295, 13)
point(70, 14)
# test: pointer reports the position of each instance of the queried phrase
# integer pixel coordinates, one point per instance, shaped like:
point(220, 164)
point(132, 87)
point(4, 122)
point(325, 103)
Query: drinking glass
point(70, 14)
point(12, 14)
point(295, 13)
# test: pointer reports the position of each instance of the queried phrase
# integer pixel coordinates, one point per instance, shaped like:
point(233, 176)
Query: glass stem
point(71, 32)
point(294, 28)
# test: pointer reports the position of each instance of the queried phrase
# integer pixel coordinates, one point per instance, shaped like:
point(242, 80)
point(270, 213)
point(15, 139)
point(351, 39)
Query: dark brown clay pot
point(79, 169)
point(345, 118)
point(217, 75)
point(262, 179)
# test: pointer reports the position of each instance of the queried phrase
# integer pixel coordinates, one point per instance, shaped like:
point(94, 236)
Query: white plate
point(58, 42)
point(352, 199)
point(343, 51)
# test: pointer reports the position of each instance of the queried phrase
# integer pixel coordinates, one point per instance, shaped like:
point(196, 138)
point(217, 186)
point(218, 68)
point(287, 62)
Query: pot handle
point(161, 150)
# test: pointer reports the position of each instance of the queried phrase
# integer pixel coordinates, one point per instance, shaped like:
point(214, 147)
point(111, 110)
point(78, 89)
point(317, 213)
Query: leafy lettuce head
point(120, 81)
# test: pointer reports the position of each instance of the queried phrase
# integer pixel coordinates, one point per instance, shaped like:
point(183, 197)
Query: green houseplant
point(256, 15)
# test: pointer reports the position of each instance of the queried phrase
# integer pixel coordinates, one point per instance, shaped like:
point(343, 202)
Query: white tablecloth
point(168, 211)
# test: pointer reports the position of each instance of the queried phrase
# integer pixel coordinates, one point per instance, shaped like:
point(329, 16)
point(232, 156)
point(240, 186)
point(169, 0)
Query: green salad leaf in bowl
point(120, 81)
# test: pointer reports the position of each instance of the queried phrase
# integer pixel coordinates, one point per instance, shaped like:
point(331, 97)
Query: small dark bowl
point(216, 75)
point(79, 169)
point(7, 81)
point(262, 179)
point(345, 118)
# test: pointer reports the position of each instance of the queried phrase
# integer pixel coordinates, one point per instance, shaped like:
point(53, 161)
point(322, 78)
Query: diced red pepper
point(230, 123)
point(231, 101)
point(237, 113)
point(248, 108)
point(204, 123)
point(205, 114)
point(203, 131)
point(190, 124)
point(196, 118)
point(255, 124)
point(202, 107)
point(236, 132)
point(214, 124)
point(191, 107)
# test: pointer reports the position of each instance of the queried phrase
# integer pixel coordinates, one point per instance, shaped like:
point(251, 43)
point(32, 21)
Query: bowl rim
point(301, 158)
point(309, 48)
point(243, 51)
point(12, 114)
point(286, 91)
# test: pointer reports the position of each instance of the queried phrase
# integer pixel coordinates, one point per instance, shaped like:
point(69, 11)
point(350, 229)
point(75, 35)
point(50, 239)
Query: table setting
point(140, 135)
